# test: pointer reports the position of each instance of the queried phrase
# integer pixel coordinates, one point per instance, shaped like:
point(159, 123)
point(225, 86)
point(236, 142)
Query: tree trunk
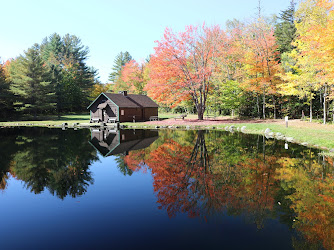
point(264, 106)
point(274, 103)
point(333, 112)
point(311, 110)
point(325, 109)
point(258, 105)
point(232, 113)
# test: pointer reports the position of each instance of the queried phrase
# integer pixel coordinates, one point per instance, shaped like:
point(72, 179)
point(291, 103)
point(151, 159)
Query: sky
point(108, 27)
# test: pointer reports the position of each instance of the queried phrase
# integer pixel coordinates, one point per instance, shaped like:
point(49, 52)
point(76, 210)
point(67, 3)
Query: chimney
point(125, 93)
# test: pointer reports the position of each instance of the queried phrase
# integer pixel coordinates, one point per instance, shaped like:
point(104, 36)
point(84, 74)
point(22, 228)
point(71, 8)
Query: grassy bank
point(314, 134)
point(49, 121)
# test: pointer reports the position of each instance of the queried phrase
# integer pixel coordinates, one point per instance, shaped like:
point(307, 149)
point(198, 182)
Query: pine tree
point(71, 77)
point(30, 83)
point(285, 31)
point(120, 60)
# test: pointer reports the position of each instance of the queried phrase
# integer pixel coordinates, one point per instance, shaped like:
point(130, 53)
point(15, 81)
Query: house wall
point(111, 109)
point(128, 114)
point(148, 112)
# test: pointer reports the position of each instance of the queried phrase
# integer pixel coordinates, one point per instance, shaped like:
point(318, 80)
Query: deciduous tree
point(183, 64)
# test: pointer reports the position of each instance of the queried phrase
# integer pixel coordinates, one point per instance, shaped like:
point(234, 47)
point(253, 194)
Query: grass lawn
point(50, 121)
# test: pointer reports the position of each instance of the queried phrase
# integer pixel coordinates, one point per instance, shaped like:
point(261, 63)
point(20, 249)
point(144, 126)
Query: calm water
point(144, 189)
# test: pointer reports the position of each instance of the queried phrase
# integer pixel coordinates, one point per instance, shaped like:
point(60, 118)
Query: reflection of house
point(122, 107)
point(112, 142)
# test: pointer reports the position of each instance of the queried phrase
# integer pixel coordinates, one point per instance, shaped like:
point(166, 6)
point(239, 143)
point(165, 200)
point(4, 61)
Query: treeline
point(48, 78)
point(266, 67)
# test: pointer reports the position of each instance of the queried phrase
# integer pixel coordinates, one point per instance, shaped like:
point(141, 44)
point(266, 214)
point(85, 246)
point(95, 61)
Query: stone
point(271, 134)
point(170, 127)
point(267, 131)
point(304, 143)
point(279, 134)
point(226, 128)
point(243, 129)
point(187, 127)
point(289, 139)
point(331, 150)
point(280, 137)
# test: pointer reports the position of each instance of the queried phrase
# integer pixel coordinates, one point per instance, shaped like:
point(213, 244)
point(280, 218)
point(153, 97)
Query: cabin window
point(122, 111)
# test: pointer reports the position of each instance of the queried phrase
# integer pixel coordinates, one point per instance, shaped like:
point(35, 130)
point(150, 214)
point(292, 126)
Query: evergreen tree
point(285, 31)
point(72, 78)
point(120, 60)
point(30, 83)
point(5, 95)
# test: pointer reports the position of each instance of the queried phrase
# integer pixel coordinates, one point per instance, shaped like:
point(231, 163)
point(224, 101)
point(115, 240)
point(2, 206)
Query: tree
point(6, 97)
point(30, 83)
point(285, 31)
point(182, 66)
point(260, 61)
point(121, 59)
point(309, 67)
point(132, 78)
point(72, 79)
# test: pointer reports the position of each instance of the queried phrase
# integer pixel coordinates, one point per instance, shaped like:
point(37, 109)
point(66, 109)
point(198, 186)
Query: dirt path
point(210, 122)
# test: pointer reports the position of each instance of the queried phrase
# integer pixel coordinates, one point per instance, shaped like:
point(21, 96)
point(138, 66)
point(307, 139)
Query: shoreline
point(301, 132)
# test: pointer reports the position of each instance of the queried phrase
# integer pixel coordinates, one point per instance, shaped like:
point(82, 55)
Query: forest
point(262, 67)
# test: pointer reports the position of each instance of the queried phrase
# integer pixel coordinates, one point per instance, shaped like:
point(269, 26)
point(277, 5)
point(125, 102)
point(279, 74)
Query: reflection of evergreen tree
point(54, 159)
point(7, 150)
point(121, 165)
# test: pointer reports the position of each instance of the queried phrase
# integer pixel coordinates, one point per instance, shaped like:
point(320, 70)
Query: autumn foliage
point(183, 64)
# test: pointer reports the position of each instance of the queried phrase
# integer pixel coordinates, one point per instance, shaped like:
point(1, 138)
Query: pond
point(167, 189)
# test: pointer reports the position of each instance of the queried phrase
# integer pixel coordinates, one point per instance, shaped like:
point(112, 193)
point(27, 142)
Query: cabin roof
point(121, 101)
point(129, 101)
point(143, 101)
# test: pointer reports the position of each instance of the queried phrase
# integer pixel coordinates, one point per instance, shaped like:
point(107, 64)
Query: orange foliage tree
point(261, 62)
point(182, 66)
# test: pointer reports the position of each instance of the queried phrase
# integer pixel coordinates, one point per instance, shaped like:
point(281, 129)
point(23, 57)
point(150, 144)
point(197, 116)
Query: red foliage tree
point(183, 64)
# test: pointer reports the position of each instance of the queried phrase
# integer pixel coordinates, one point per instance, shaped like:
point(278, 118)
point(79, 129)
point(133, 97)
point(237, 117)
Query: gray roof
point(143, 101)
point(131, 101)
point(121, 101)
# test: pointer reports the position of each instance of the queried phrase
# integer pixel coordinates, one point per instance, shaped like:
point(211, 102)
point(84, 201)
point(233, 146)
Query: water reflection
point(47, 159)
point(198, 173)
point(207, 173)
point(114, 142)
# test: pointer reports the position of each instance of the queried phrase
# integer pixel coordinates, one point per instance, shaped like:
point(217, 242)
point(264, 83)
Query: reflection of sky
point(121, 212)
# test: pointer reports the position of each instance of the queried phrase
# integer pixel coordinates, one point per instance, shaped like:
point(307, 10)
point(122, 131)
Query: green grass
point(50, 121)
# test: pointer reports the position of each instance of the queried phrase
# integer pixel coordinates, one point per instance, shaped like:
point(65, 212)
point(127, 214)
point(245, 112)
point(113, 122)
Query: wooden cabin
point(122, 107)
point(114, 142)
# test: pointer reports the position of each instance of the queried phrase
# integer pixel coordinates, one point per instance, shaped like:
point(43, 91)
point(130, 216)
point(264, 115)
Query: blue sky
point(108, 27)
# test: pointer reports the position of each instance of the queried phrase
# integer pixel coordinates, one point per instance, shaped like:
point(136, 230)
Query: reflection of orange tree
point(313, 199)
point(255, 194)
point(189, 179)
